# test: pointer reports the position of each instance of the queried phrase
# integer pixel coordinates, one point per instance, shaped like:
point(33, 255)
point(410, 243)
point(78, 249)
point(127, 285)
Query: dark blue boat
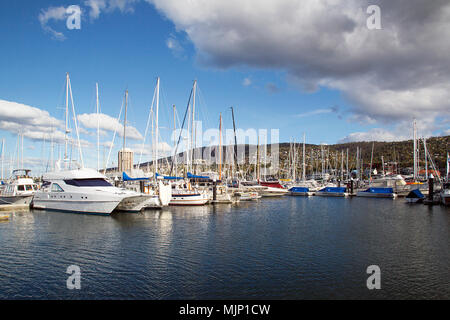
point(299, 191)
point(377, 193)
point(415, 196)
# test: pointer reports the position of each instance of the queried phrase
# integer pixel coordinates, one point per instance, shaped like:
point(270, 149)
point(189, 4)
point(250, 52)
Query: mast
point(194, 90)
point(415, 149)
point(304, 155)
point(22, 149)
point(3, 155)
point(125, 123)
point(426, 157)
point(257, 161)
point(75, 122)
point(348, 175)
point(220, 146)
point(98, 128)
point(156, 130)
point(18, 150)
point(371, 159)
point(357, 163)
point(235, 141)
point(174, 131)
point(66, 134)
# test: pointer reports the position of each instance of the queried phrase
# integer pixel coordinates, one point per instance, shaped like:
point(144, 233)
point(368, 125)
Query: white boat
point(88, 191)
point(300, 191)
point(264, 191)
point(332, 192)
point(223, 195)
point(182, 197)
point(377, 193)
point(19, 191)
point(248, 196)
point(445, 194)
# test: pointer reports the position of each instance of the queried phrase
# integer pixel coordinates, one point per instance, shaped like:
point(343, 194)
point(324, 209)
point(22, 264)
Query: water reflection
point(290, 247)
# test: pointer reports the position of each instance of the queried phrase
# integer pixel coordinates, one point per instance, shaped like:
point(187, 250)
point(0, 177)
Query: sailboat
point(445, 190)
point(83, 190)
point(164, 192)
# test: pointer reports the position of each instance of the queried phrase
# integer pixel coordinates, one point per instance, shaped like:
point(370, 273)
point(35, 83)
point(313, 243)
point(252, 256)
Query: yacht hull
point(375, 195)
point(83, 206)
point(16, 200)
point(188, 200)
point(331, 194)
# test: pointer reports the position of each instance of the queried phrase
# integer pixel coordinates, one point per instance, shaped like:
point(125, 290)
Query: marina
point(224, 150)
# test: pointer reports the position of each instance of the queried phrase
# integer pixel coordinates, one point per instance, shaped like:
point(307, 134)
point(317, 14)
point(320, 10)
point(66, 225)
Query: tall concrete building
point(125, 160)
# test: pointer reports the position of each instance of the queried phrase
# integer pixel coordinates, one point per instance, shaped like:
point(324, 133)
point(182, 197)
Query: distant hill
point(400, 152)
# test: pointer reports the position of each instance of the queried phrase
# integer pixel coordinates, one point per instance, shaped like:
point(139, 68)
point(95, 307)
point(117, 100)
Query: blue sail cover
point(299, 189)
point(333, 189)
point(168, 177)
point(380, 190)
point(191, 176)
point(126, 177)
point(415, 194)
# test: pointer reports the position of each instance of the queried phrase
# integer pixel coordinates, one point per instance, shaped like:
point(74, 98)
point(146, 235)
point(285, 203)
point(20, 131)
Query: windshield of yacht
point(95, 182)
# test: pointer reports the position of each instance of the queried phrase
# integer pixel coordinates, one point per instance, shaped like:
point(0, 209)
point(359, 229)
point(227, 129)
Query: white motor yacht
point(87, 191)
point(19, 191)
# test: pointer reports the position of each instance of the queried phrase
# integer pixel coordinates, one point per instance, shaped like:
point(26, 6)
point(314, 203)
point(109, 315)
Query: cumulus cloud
point(32, 122)
point(398, 72)
point(108, 123)
point(96, 7)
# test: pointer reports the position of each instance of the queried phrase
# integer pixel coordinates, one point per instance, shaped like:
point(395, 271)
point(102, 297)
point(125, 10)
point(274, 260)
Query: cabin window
point(29, 187)
point(96, 182)
point(56, 188)
point(21, 188)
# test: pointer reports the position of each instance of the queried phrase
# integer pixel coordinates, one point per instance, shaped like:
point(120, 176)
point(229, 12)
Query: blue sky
point(128, 47)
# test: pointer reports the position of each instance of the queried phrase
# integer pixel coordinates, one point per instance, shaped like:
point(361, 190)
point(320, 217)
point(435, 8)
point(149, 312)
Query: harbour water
point(279, 248)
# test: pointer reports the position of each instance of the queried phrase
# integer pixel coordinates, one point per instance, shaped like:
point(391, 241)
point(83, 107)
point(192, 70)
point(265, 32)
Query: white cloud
point(246, 82)
point(175, 46)
point(315, 112)
point(32, 122)
point(96, 7)
point(52, 13)
point(163, 149)
point(386, 74)
point(108, 123)
point(376, 134)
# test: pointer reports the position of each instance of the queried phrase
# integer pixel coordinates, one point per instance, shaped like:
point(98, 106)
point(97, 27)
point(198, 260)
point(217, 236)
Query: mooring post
point(141, 185)
point(214, 190)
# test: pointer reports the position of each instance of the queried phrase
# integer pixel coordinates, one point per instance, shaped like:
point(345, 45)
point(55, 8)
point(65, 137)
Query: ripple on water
point(287, 248)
